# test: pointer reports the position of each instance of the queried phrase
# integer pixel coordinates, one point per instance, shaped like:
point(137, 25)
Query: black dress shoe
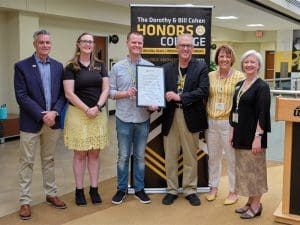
point(169, 199)
point(193, 199)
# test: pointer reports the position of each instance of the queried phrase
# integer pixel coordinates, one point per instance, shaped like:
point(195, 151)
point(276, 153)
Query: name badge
point(235, 117)
point(219, 106)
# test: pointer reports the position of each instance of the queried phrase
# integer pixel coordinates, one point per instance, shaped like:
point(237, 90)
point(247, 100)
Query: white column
point(284, 40)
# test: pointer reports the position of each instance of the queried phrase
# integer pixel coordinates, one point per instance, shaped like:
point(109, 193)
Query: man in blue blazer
point(187, 86)
point(39, 93)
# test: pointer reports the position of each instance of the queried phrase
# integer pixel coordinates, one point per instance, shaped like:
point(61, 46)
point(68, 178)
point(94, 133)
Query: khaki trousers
point(44, 141)
point(180, 137)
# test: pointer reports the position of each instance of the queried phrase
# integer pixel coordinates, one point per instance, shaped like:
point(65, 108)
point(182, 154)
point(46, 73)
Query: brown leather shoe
point(25, 212)
point(55, 202)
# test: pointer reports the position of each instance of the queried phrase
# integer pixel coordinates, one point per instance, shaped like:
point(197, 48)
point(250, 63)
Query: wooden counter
point(9, 127)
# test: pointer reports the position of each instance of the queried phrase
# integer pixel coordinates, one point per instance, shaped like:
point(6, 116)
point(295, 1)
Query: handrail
point(286, 92)
point(285, 84)
point(281, 79)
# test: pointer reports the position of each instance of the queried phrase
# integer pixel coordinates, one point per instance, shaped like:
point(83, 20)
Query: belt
point(179, 106)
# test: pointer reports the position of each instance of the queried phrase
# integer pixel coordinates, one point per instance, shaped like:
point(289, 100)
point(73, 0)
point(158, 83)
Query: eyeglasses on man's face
point(87, 42)
point(183, 46)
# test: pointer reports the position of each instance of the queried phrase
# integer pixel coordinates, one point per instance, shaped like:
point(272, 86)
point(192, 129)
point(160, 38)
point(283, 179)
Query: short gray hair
point(256, 54)
point(40, 32)
point(184, 35)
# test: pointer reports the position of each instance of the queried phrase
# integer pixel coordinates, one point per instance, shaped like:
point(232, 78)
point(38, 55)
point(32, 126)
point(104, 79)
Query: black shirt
point(254, 106)
point(88, 81)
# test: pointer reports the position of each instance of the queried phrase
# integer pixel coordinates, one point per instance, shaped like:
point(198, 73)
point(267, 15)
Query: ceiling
point(246, 11)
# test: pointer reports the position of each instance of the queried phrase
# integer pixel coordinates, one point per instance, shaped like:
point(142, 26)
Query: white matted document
point(150, 84)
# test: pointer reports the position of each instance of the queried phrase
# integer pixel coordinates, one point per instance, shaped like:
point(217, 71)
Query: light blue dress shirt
point(44, 68)
point(120, 79)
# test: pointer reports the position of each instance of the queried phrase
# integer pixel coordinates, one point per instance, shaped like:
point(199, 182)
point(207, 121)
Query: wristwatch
point(99, 107)
point(257, 134)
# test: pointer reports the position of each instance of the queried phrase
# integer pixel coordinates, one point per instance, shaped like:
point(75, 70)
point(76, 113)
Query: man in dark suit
point(39, 93)
point(184, 117)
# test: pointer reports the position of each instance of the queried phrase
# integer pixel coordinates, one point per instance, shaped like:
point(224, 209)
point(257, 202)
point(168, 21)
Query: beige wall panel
point(87, 9)
point(28, 24)
point(241, 48)
point(14, 4)
point(65, 33)
point(13, 49)
point(268, 36)
point(223, 34)
point(37, 5)
point(4, 78)
point(90, 9)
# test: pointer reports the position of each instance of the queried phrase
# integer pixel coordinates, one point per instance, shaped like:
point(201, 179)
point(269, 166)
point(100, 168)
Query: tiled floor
point(9, 154)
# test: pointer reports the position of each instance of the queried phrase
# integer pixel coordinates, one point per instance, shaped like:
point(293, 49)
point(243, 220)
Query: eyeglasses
point(185, 46)
point(90, 42)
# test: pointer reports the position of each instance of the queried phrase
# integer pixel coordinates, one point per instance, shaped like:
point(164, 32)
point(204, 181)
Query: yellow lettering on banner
point(180, 30)
point(170, 51)
point(189, 29)
point(141, 28)
point(161, 30)
point(164, 30)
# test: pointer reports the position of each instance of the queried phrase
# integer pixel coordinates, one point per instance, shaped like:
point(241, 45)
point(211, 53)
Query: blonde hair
point(75, 59)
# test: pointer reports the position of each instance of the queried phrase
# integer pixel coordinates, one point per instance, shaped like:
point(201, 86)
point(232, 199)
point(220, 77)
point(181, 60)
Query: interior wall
point(241, 47)
point(4, 79)
point(65, 33)
point(65, 23)
point(88, 9)
point(13, 55)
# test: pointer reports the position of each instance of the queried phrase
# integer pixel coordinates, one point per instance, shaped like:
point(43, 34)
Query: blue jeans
point(131, 135)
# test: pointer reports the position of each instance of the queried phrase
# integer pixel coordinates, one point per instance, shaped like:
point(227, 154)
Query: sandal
point(250, 213)
point(243, 209)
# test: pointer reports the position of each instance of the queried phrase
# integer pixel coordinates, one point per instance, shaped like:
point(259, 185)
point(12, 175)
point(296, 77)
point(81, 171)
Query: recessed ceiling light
point(226, 17)
point(255, 25)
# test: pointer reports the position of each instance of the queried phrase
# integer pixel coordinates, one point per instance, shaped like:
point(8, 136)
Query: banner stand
point(160, 26)
point(164, 190)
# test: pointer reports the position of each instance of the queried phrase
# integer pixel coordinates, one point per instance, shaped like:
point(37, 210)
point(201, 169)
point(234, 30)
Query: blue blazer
point(30, 94)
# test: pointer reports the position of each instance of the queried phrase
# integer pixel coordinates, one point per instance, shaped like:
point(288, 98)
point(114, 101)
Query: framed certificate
point(150, 84)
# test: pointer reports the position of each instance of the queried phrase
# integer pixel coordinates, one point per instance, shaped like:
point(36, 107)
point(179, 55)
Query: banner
point(160, 25)
point(296, 51)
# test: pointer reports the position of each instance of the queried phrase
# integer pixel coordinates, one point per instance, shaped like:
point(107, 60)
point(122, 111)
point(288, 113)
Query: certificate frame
point(150, 84)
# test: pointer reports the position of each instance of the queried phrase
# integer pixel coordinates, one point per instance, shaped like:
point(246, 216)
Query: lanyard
point(130, 71)
point(241, 92)
point(181, 80)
